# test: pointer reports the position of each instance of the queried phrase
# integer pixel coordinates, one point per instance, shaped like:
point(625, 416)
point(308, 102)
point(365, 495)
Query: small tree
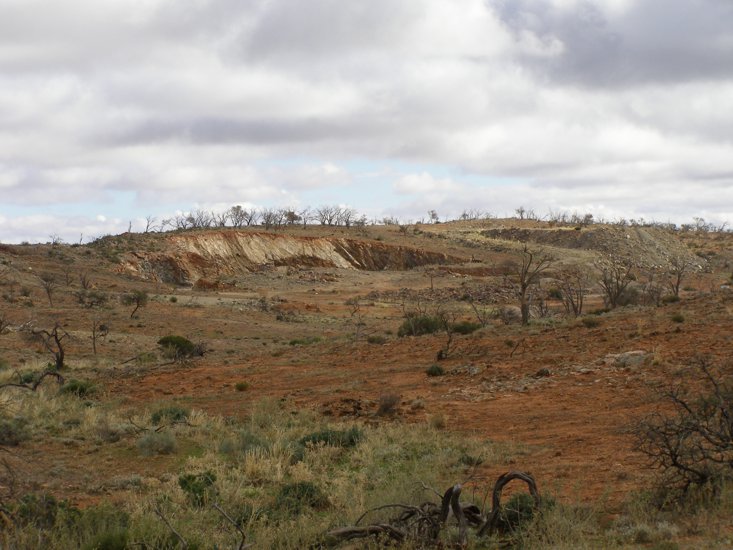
point(573, 283)
point(100, 330)
point(679, 267)
point(49, 284)
point(533, 264)
point(52, 340)
point(616, 275)
point(137, 298)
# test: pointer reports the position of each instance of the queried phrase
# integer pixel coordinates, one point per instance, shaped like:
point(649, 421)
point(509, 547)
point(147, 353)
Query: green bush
point(110, 540)
point(678, 318)
point(465, 327)
point(245, 441)
point(435, 370)
point(241, 386)
point(307, 341)
point(78, 388)
point(417, 325)
point(177, 347)
point(172, 413)
point(293, 498)
point(13, 431)
point(40, 510)
point(156, 443)
point(670, 299)
point(198, 487)
point(518, 511)
point(376, 339)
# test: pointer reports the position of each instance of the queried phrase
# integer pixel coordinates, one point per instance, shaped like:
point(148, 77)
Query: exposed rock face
point(210, 255)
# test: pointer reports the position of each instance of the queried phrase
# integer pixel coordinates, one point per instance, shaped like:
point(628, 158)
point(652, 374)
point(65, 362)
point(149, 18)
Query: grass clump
point(417, 325)
point(293, 498)
point(13, 431)
point(678, 318)
point(170, 414)
point(198, 487)
point(78, 388)
point(590, 322)
point(306, 341)
point(376, 339)
point(241, 386)
point(336, 438)
point(156, 443)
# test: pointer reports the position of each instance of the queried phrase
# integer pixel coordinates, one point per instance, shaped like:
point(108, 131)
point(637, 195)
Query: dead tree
point(616, 276)
point(423, 524)
point(573, 283)
point(52, 340)
point(533, 264)
point(679, 267)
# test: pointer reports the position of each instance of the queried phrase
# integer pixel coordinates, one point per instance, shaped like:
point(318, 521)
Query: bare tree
point(269, 218)
point(221, 219)
point(433, 216)
point(85, 281)
point(533, 264)
point(680, 266)
point(149, 224)
point(347, 216)
point(328, 215)
point(240, 217)
point(306, 215)
point(52, 340)
point(616, 275)
point(520, 212)
point(691, 443)
point(137, 298)
point(574, 283)
point(49, 284)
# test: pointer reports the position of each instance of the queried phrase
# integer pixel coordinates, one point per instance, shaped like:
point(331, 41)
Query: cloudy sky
point(113, 110)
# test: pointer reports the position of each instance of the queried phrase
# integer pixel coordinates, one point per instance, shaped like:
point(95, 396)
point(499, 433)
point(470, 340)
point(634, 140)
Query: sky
point(114, 110)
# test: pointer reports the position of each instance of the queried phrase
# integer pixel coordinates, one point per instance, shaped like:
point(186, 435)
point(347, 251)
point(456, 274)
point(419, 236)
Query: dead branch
point(242, 543)
point(491, 523)
point(183, 541)
point(35, 384)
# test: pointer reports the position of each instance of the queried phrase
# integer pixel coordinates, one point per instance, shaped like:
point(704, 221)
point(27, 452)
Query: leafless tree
point(616, 275)
point(680, 266)
point(691, 442)
point(357, 316)
point(270, 218)
point(220, 219)
point(328, 215)
point(85, 281)
point(52, 340)
point(241, 217)
point(574, 282)
point(49, 284)
point(346, 216)
point(520, 212)
point(532, 264)
point(306, 215)
point(149, 224)
point(652, 288)
point(433, 216)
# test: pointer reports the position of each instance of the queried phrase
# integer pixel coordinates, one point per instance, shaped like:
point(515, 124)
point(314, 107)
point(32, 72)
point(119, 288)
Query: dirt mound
point(211, 255)
point(648, 246)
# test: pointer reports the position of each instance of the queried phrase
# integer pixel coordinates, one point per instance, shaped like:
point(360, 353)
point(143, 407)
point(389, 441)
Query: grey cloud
point(651, 42)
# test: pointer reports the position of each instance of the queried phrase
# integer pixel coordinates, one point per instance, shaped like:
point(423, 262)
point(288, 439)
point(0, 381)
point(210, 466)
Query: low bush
point(417, 325)
point(78, 388)
point(293, 498)
point(336, 438)
point(387, 404)
point(241, 386)
point(156, 443)
point(172, 413)
point(435, 370)
point(465, 327)
point(678, 318)
point(376, 339)
point(178, 347)
point(590, 322)
point(13, 431)
point(199, 488)
point(670, 299)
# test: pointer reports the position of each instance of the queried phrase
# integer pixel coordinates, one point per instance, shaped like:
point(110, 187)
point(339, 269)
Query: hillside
point(308, 320)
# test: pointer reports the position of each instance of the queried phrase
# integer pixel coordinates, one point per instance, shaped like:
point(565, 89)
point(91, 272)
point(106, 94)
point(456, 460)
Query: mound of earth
point(647, 246)
point(187, 258)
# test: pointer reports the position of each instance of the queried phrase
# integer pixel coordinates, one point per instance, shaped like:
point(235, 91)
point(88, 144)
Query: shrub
point(678, 318)
point(78, 388)
point(40, 510)
point(693, 444)
point(110, 540)
point(590, 322)
point(417, 325)
point(172, 299)
point(435, 370)
point(376, 339)
point(670, 299)
point(245, 441)
point(307, 341)
point(465, 327)
point(172, 413)
point(336, 438)
point(198, 487)
point(156, 443)
point(555, 293)
point(13, 431)
point(177, 347)
point(387, 404)
point(293, 498)
point(241, 386)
